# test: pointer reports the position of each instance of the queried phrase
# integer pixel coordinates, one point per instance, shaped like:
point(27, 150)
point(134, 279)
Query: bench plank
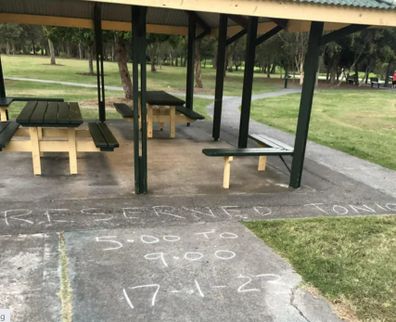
point(75, 116)
point(6, 101)
point(163, 98)
point(189, 113)
point(124, 110)
point(7, 131)
point(270, 142)
point(245, 152)
point(26, 113)
point(51, 115)
point(102, 136)
point(37, 116)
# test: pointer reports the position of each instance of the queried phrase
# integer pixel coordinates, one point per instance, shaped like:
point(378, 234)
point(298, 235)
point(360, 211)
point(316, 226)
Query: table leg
point(262, 163)
point(172, 121)
point(227, 172)
point(149, 121)
point(40, 137)
point(34, 139)
point(3, 114)
point(71, 135)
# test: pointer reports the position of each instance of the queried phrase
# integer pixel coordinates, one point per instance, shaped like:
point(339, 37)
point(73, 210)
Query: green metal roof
point(371, 4)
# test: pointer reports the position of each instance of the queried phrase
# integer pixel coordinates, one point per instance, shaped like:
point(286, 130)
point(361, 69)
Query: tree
point(10, 34)
point(296, 45)
point(121, 53)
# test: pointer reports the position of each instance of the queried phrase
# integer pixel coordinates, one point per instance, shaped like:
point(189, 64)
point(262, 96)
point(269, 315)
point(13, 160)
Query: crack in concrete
point(66, 292)
point(292, 296)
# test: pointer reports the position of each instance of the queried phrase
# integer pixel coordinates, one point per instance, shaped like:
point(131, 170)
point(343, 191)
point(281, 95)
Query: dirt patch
point(88, 74)
point(93, 103)
point(56, 65)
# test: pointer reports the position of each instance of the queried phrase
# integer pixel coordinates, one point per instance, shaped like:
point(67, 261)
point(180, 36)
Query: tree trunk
point(301, 72)
point(33, 47)
point(52, 51)
point(121, 55)
point(198, 73)
point(90, 61)
point(80, 51)
point(366, 75)
point(388, 70)
point(152, 64)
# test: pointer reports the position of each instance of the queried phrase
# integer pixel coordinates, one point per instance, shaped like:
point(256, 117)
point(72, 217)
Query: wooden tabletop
point(50, 114)
point(163, 98)
point(5, 101)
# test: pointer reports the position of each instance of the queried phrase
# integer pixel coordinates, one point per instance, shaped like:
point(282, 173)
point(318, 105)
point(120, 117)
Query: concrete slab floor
point(86, 247)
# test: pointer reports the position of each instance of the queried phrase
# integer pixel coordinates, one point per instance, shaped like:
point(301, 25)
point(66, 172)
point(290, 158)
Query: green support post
point(99, 61)
point(247, 81)
point(192, 25)
point(2, 83)
point(310, 69)
point(220, 69)
point(139, 44)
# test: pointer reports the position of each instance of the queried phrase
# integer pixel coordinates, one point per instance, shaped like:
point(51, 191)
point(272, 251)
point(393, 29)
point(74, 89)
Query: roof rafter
point(334, 35)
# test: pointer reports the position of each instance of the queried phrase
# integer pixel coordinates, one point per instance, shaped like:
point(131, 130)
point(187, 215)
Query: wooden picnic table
point(52, 128)
point(49, 126)
point(161, 108)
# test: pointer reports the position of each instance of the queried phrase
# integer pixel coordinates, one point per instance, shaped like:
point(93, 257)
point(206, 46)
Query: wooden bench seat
point(189, 113)
point(269, 142)
point(7, 131)
point(229, 154)
point(102, 136)
point(125, 110)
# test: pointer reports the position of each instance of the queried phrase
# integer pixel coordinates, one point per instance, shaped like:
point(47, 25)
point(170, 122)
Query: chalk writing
point(153, 298)
point(112, 241)
point(246, 284)
point(26, 219)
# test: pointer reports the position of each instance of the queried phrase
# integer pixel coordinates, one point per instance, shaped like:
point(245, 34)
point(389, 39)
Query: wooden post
point(71, 136)
point(227, 172)
point(34, 140)
point(3, 114)
point(172, 121)
point(262, 164)
point(150, 121)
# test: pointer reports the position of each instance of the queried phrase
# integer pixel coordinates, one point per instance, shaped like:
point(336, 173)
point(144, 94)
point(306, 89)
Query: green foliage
point(350, 260)
point(359, 122)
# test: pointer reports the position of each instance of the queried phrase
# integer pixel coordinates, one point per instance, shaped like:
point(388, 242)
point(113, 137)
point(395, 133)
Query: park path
point(369, 173)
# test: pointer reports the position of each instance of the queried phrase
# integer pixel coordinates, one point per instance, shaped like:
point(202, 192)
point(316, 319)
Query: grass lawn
point(85, 96)
point(352, 261)
point(167, 78)
point(361, 122)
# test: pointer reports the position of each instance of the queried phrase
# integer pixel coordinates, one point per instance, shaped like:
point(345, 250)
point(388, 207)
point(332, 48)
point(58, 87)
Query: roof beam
point(87, 23)
point(235, 37)
point(268, 35)
point(280, 22)
point(292, 10)
point(335, 35)
point(202, 23)
point(242, 21)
